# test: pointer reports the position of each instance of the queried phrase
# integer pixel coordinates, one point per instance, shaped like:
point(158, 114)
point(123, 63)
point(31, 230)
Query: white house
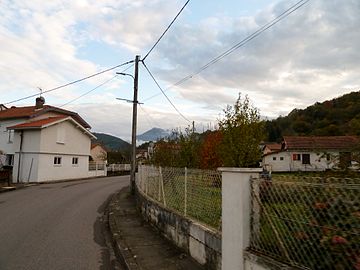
point(311, 153)
point(45, 143)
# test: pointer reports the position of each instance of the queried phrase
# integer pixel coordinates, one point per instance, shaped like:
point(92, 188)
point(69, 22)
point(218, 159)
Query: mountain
point(339, 116)
point(153, 134)
point(112, 143)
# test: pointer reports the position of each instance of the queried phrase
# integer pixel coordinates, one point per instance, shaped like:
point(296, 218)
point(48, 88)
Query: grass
point(203, 201)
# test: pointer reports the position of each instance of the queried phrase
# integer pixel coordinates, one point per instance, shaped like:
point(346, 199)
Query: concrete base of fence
point(202, 243)
point(259, 262)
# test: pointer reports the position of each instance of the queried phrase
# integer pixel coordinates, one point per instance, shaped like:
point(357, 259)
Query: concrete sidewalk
point(138, 244)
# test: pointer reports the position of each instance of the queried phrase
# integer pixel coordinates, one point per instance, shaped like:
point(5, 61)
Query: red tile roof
point(94, 144)
point(31, 111)
point(321, 142)
point(17, 112)
point(273, 146)
point(38, 123)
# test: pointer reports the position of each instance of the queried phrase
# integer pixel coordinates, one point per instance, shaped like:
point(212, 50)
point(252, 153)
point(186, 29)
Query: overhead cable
point(177, 15)
point(162, 91)
point(88, 92)
point(70, 83)
point(240, 44)
point(93, 89)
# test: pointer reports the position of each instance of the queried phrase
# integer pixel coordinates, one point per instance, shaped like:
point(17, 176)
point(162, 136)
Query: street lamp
point(134, 122)
point(125, 74)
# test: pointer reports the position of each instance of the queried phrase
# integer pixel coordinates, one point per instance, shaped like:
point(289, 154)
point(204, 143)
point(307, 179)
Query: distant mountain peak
point(153, 134)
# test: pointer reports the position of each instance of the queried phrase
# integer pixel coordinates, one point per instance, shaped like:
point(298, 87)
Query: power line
point(70, 83)
point(88, 92)
point(240, 44)
point(177, 15)
point(150, 120)
point(162, 91)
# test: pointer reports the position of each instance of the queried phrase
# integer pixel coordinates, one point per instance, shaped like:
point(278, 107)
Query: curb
point(122, 251)
point(7, 189)
point(13, 188)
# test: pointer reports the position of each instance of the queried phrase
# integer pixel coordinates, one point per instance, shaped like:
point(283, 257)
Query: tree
point(209, 153)
point(190, 143)
point(242, 131)
point(166, 154)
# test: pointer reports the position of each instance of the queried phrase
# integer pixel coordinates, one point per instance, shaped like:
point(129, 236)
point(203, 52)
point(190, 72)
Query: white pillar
point(236, 209)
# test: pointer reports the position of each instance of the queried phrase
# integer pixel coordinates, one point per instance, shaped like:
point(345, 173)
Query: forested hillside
point(339, 116)
point(112, 143)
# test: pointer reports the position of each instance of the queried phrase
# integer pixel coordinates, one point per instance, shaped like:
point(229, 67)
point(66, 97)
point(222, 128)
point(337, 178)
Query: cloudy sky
point(312, 55)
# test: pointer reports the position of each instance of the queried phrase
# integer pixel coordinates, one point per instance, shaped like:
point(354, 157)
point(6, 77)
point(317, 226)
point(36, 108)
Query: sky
point(310, 56)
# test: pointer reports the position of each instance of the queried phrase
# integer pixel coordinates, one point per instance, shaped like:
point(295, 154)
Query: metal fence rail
point(307, 222)
point(118, 167)
point(97, 166)
point(193, 193)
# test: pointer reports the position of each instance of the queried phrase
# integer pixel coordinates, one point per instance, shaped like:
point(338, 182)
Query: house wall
point(76, 142)
point(318, 161)
point(48, 171)
point(277, 165)
point(41, 146)
point(29, 159)
point(6, 146)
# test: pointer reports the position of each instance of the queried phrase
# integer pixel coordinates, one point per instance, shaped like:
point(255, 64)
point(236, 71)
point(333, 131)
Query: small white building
point(311, 153)
point(45, 143)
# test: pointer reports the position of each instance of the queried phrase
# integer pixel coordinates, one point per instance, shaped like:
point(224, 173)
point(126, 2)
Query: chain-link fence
point(193, 193)
point(307, 222)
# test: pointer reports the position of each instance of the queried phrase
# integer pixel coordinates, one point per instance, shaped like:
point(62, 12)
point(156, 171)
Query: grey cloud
point(308, 56)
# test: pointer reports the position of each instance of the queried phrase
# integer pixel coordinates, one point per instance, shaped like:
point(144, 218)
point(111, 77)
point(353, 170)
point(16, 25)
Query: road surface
point(57, 226)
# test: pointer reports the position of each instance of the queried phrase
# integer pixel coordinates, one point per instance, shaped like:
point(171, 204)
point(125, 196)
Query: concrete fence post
point(236, 209)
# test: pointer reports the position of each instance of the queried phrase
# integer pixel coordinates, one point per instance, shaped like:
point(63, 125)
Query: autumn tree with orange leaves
point(209, 153)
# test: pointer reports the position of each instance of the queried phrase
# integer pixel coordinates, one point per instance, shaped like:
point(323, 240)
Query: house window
point(60, 135)
point(296, 157)
point(10, 136)
point(274, 158)
point(281, 158)
point(57, 160)
point(75, 161)
point(305, 158)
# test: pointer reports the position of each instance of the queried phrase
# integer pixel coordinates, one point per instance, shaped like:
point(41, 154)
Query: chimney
point(40, 101)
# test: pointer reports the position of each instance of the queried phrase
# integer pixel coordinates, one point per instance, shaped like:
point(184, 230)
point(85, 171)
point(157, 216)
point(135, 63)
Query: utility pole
point(134, 123)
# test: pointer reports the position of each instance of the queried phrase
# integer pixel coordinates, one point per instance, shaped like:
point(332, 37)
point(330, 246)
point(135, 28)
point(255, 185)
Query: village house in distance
point(44, 143)
point(310, 153)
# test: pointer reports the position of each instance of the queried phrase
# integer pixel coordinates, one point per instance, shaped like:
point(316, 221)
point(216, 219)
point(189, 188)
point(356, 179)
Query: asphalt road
point(57, 226)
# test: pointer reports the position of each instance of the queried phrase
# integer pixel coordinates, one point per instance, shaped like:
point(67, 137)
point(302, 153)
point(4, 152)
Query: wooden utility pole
point(134, 123)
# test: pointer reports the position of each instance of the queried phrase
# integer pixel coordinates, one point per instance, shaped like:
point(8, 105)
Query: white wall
point(277, 165)
point(318, 162)
point(5, 146)
point(76, 141)
point(30, 146)
point(40, 147)
point(28, 169)
point(48, 171)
